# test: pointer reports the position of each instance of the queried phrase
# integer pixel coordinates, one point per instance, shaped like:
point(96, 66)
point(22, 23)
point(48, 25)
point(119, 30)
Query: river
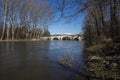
point(38, 60)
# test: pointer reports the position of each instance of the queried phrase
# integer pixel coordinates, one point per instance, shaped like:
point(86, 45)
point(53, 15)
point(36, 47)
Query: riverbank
point(103, 61)
point(17, 40)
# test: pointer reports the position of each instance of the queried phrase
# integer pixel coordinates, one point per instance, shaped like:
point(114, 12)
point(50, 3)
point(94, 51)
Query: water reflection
point(36, 60)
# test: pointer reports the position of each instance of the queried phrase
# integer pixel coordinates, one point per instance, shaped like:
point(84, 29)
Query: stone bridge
point(64, 37)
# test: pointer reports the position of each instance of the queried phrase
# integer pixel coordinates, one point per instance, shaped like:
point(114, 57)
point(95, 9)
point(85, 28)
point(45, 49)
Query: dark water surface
point(36, 60)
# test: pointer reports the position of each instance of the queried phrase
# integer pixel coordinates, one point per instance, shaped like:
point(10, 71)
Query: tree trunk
point(4, 21)
point(115, 18)
point(13, 16)
point(111, 23)
point(102, 19)
point(7, 32)
point(12, 31)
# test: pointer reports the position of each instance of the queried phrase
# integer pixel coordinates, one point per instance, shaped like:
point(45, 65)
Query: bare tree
point(4, 5)
point(24, 18)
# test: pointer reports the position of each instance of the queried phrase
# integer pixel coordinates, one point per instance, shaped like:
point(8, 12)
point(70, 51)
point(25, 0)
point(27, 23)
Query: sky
point(61, 27)
point(67, 27)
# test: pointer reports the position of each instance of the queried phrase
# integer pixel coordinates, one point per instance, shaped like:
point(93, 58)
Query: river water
point(38, 60)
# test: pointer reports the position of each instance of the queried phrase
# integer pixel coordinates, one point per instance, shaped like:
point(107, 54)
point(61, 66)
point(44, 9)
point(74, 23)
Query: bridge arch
point(76, 39)
point(55, 38)
point(66, 38)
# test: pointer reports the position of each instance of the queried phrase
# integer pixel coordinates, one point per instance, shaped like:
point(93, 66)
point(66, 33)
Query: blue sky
point(74, 26)
point(69, 27)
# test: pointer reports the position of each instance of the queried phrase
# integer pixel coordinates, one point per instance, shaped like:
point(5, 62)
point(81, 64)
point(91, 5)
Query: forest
point(24, 19)
point(102, 21)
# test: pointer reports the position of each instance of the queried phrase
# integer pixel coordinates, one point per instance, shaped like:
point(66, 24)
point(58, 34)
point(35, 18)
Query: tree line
point(24, 19)
point(102, 21)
